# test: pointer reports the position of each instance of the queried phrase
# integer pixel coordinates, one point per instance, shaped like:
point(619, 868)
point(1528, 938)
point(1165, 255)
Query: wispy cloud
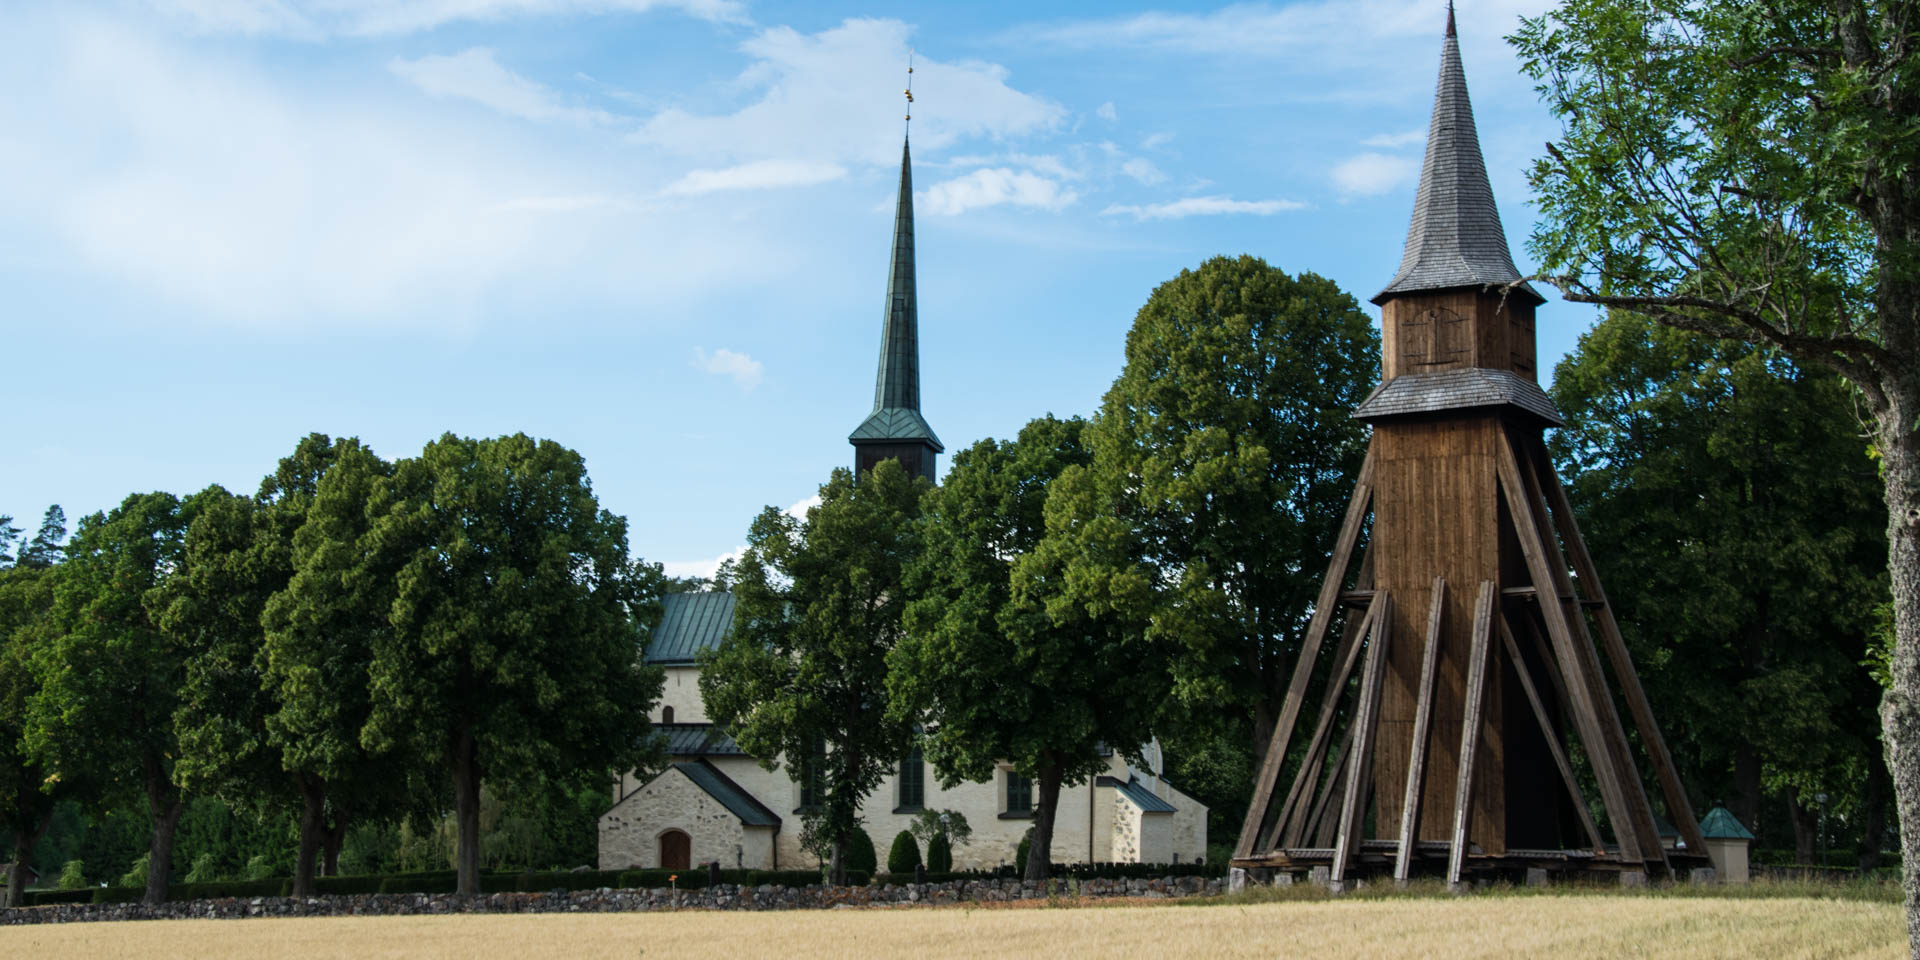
point(1142, 170)
point(1267, 30)
point(832, 97)
point(1370, 174)
point(475, 75)
point(1107, 112)
point(992, 187)
point(744, 369)
point(1201, 207)
point(1155, 141)
point(707, 568)
point(1394, 141)
point(758, 175)
point(317, 19)
point(571, 203)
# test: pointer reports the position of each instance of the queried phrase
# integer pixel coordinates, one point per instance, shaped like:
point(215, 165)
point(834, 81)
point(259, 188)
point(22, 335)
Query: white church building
point(715, 803)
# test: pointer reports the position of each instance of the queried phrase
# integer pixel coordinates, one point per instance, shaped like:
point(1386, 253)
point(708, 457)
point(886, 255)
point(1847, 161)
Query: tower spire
point(1455, 239)
point(895, 429)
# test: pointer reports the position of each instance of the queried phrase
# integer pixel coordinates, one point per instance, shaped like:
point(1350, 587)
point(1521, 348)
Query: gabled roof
point(1455, 239)
point(1721, 824)
point(689, 624)
point(1461, 389)
point(1138, 793)
point(731, 795)
point(697, 740)
point(896, 388)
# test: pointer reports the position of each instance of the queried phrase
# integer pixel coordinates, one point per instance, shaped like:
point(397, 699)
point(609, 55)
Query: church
point(713, 803)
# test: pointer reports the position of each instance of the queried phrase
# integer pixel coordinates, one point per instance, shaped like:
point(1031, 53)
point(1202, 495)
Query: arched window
point(666, 714)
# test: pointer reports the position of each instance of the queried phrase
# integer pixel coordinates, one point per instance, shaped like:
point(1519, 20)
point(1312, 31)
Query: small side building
point(715, 803)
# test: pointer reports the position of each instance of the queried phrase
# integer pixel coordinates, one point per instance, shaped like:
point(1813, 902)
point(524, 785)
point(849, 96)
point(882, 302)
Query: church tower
point(1472, 616)
point(895, 429)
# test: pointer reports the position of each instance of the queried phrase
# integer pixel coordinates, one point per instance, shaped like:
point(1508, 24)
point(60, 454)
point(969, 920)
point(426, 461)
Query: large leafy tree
point(109, 677)
point(803, 672)
point(1747, 170)
point(27, 791)
point(1729, 468)
point(998, 662)
point(513, 638)
point(1227, 449)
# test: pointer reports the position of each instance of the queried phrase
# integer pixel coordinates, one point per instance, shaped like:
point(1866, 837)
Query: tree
point(9, 534)
point(514, 633)
point(27, 793)
point(44, 549)
point(1729, 468)
point(1747, 171)
point(109, 677)
point(1227, 449)
point(803, 672)
point(998, 661)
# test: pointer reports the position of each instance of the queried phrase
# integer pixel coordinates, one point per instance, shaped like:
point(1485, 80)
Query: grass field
point(1569, 926)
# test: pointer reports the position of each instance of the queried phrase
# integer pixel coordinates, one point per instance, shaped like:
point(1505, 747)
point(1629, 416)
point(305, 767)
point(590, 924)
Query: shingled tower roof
point(896, 390)
point(1455, 240)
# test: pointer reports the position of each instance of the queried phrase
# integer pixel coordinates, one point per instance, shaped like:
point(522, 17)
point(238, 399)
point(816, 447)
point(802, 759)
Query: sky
point(657, 231)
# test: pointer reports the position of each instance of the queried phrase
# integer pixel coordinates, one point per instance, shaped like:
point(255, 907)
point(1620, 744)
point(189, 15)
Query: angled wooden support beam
point(1553, 740)
point(1364, 721)
point(1290, 822)
point(1318, 827)
point(1586, 711)
point(1422, 721)
point(1639, 807)
point(1276, 756)
point(1670, 787)
point(1480, 652)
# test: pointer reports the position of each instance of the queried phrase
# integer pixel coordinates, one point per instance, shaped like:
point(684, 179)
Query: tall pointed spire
point(1455, 239)
point(895, 428)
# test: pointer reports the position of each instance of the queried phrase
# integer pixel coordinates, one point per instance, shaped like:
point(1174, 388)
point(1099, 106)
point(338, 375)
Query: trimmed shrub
point(73, 876)
point(860, 855)
point(939, 854)
point(1020, 853)
point(905, 854)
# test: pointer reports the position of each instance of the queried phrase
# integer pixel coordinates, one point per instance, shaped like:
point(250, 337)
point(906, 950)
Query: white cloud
point(707, 568)
point(744, 369)
point(1394, 141)
point(1370, 174)
point(315, 19)
point(1266, 30)
point(833, 97)
point(1201, 207)
point(1106, 111)
point(758, 175)
point(574, 203)
point(992, 187)
point(1155, 141)
point(1143, 170)
point(474, 74)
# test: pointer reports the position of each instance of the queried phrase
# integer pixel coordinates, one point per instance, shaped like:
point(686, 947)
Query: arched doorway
point(676, 851)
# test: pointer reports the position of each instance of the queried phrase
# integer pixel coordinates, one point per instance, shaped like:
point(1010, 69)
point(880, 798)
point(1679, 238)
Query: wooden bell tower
point(1466, 658)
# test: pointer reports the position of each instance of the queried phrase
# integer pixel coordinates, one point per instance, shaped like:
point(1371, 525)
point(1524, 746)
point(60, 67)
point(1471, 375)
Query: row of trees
point(315, 647)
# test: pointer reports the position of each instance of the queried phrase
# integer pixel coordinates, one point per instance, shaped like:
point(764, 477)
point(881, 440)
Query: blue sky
point(658, 231)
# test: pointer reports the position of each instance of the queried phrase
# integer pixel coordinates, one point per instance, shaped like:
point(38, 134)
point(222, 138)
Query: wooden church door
point(676, 851)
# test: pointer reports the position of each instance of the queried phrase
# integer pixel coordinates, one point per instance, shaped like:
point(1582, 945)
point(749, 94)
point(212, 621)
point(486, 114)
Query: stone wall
point(721, 897)
point(630, 832)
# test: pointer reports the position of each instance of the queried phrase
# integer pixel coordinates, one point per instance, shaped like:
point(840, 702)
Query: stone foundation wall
point(721, 897)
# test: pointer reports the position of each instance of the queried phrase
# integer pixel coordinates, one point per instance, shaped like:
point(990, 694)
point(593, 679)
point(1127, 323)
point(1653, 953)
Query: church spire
point(1455, 239)
point(895, 428)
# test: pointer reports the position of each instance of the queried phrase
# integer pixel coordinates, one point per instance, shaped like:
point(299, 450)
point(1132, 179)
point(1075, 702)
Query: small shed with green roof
point(1727, 842)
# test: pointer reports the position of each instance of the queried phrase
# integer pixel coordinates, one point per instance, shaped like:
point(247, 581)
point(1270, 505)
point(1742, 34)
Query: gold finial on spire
point(909, 84)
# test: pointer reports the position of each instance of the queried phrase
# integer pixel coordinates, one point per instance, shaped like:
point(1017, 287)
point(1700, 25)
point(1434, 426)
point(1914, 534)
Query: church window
point(1019, 793)
point(666, 714)
point(913, 780)
point(813, 777)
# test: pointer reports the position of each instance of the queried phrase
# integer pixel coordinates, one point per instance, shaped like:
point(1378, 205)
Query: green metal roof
point(697, 740)
point(737, 800)
point(1721, 824)
point(1134, 790)
point(895, 423)
point(689, 624)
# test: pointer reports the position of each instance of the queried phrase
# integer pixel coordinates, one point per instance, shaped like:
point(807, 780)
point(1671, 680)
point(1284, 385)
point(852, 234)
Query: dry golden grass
point(1569, 926)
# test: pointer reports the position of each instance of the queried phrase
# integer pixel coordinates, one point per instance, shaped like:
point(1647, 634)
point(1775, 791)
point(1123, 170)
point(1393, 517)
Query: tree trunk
point(837, 863)
point(313, 799)
point(1873, 830)
point(1040, 850)
point(1806, 821)
point(1900, 708)
point(23, 844)
point(166, 804)
point(334, 838)
point(1265, 718)
point(466, 808)
point(1745, 802)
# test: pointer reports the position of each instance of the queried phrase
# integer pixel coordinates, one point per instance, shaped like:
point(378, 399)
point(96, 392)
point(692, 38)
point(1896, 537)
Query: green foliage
point(819, 607)
point(905, 854)
point(1222, 463)
point(939, 854)
point(73, 875)
point(952, 824)
point(1020, 853)
point(861, 857)
point(1730, 469)
point(44, 550)
point(259, 867)
point(28, 796)
point(136, 876)
point(205, 869)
